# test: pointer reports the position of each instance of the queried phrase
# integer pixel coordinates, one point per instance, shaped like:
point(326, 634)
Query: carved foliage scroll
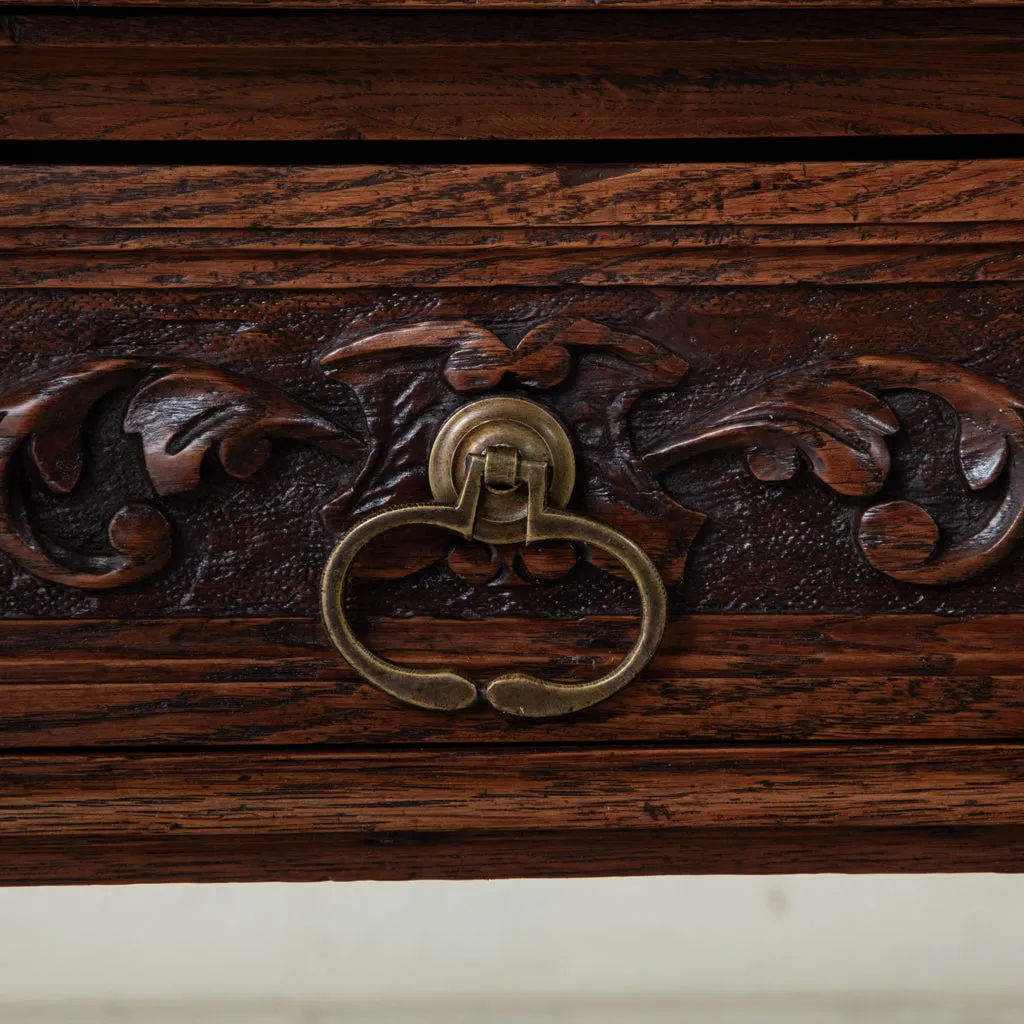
point(830, 418)
point(180, 411)
point(834, 419)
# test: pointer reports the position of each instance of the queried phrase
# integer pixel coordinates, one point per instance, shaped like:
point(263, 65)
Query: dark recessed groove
point(616, 151)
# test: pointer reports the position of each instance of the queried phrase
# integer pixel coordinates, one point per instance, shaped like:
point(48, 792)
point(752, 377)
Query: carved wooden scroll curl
point(832, 419)
point(180, 411)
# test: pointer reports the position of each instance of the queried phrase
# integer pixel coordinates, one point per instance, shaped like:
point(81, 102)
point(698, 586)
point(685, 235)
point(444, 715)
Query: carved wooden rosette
point(832, 418)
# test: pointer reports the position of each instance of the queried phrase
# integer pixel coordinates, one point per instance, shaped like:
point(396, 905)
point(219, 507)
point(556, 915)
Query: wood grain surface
point(814, 706)
point(407, 77)
point(716, 678)
point(281, 199)
point(577, 789)
point(459, 226)
point(313, 857)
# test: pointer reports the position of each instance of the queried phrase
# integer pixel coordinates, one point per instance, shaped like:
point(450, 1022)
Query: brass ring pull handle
point(493, 451)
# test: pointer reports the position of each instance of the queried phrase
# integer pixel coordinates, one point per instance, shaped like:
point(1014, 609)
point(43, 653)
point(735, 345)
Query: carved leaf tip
point(837, 428)
point(184, 414)
point(987, 413)
point(43, 421)
point(902, 539)
point(57, 458)
point(49, 417)
point(363, 359)
point(981, 453)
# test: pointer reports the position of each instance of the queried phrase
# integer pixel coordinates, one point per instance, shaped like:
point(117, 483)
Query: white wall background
point(797, 949)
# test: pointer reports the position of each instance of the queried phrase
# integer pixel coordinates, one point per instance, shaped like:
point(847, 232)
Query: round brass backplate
point(499, 424)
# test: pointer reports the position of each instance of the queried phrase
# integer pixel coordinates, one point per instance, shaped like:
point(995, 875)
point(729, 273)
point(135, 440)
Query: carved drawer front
point(796, 389)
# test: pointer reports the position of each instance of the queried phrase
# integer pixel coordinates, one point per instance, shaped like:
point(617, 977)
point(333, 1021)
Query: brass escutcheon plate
point(501, 422)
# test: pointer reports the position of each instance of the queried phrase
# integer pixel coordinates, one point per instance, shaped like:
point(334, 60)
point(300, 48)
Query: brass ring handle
point(490, 504)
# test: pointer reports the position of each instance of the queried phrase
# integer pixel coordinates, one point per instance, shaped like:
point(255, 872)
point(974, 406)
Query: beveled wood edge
point(593, 265)
point(427, 22)
point(401, 856)
point(681, 238)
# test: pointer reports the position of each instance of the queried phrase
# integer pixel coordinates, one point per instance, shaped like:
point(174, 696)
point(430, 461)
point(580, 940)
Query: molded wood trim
point(463, 226)
point(469, 790)
point(277, 200)
point(313, 857)
point(716, 678)
point(138, 76)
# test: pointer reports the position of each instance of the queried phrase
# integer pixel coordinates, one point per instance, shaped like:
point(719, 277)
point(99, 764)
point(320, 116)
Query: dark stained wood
point(576, 789)
point(60, 26)
point(823, 417)
point(583, 77)
point(820, 416)
point(346, 227)
point(601, 258)
point(680, 442)
point(311, 857)
point(717, 678)
point(179, 413)
point(798, 385)
point(946, 195)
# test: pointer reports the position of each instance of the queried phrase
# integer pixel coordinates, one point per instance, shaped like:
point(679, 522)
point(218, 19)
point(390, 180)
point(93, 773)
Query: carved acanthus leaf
point(182, 415)
point(990, 448)
point(830, 418)
point(180, 411)
point(839, 430)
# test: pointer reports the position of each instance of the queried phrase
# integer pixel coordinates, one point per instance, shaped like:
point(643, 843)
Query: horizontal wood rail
point(312, 857)
point(735, 678)
point(341, 227)
point(278, 199)
point(350, 78)
point(470, 790)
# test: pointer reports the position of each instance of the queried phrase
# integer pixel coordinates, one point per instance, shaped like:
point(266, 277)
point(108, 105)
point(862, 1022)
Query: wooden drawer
point(795, 383)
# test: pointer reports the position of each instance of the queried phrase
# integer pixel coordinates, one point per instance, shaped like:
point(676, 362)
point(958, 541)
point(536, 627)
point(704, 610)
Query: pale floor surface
point(824, 949)
point(712, 1010)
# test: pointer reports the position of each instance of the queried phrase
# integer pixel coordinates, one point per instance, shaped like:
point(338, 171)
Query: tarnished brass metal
point(502, 469)
point(488, 427)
